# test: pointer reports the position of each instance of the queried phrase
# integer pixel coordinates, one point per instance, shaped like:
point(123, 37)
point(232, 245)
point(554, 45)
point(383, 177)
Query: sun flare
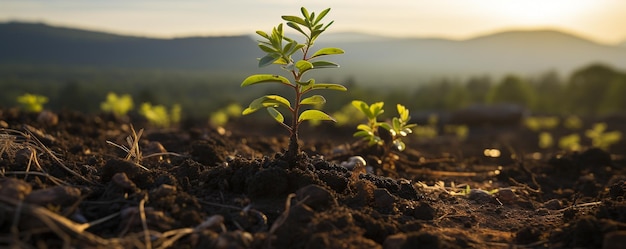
point(537, 12)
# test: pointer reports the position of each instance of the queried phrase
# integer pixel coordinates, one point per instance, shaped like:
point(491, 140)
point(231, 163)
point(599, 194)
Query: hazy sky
point(601, 20)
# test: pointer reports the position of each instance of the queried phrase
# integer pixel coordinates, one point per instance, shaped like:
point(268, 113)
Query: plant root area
point(90, 181)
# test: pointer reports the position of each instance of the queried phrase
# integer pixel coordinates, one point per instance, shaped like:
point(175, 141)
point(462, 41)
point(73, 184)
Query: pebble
point(48, 118)
point(122, 180)
point(614, 240)
point(57, 195)
point(395, 241)
point(15, 189)
point(383, 199)
point(481, 196)
point(553, 204)
point(506, 195)
point(317, 197)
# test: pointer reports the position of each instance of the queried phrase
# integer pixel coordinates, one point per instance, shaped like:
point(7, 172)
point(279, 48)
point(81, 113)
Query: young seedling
point(281, 50)
point(32, 102)
point(158, 115)
point(602, 139)
point(391, 133)
point(118, 105)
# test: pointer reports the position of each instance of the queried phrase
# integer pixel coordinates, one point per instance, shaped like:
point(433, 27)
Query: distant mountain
point(369, 59)
point(27, 43)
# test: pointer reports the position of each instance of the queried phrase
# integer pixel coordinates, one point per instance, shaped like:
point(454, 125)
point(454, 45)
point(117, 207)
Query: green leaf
point(265, 78)
point(281, 61)
point(303, 65)
point(364, 127)
point(294, 19)
point(313, 100)
point(305, 12)
point(265, 102)
point(328, 25)
point(363, 134)
point(314, 115)
point(268, 59)
point(329, 87)
point(322, 15)
point(385, 126)
point(403, 112)
point(287, 48)
point(276, 114)
point(307, 83)
point(266, 48)
point(324, 64)
point(327, 51)
point(263, 34)
point(364, 108)
point(377, 108)
point(397, 126)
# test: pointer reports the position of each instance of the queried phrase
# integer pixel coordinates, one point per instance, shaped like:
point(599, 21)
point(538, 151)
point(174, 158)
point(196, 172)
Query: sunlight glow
point(537, 12)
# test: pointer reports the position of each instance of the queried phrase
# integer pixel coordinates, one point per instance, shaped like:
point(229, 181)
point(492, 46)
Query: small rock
point(506, 195)
point(383, 199)
point(481, 196)
point(122, 180)
point(553, 204)
point(395, 241)
point(317, 197)
point(614, 240)
point(48, 118)
point(58, 195)
point(14, 188)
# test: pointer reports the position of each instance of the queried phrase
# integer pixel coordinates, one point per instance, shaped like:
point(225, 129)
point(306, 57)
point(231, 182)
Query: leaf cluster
point(398, 128)
point(601, 138)
point(118, 105)
point(32, 102)
point(159, 116)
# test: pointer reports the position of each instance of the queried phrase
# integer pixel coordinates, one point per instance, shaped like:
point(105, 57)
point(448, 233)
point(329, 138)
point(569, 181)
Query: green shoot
point(118, 105)
point(602, 139)
point(159, 116)
point(32, 102)
point(281, 50)
point(397, 129)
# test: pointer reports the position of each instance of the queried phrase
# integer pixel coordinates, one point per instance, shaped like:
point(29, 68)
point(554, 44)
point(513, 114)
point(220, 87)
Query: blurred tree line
point(596, 89)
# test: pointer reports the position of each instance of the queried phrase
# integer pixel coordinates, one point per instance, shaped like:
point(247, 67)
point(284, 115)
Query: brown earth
point(63, 186)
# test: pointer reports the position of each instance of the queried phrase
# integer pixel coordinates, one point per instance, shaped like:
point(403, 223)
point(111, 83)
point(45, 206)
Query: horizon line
point(390, 36)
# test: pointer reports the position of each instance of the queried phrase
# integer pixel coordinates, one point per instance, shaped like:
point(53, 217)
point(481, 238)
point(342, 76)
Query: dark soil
point(63, 186)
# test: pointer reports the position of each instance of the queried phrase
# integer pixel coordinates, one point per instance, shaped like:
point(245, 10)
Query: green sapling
point(393, 132)
point(281, 50)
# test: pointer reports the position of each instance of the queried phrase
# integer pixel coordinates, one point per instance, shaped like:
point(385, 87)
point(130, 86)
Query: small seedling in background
point(118, 105)
point(459, 131)
point(159, 116)
point(369, 131)
point(397, 129)
point(32, 102)
point(573, 123)
point(545, 140)
point(279, 50)
point(537, 124)
point(602, 139)
point(570, 142)
point(222, 116)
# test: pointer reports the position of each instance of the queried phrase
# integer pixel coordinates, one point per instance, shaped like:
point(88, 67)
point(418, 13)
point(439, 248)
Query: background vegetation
point(594, 90)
